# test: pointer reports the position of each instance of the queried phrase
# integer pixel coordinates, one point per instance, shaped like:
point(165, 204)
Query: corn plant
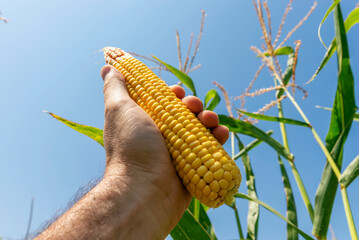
point(195, 223)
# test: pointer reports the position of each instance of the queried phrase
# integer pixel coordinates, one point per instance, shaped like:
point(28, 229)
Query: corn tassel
point(204, 167)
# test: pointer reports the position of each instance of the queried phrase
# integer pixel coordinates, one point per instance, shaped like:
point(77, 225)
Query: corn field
point(262, 117)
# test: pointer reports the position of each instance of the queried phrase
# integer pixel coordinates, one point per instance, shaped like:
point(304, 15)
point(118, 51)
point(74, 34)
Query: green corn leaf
point(352, 19)
point(288, 71)
point(250, 146)
point(199, 212)
point(350, 173)
point(253, 207)
point(292, 233)
point(275, 119)
point(194, 208)
point(214, 96)
point(92, 132)
point(272, 210)
point(330, 9)
point(205, 207)
point(284, 51)
point(239, 126)
point(184, 78)
point(356, 115)
point(341, 119)
point(281, 51)
point(189, 228)
point(205, 222)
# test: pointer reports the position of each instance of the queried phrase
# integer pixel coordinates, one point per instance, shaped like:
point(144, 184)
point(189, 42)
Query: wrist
point(143, 203)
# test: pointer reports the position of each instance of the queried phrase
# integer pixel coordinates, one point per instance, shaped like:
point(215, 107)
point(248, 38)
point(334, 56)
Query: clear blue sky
point(49, 61)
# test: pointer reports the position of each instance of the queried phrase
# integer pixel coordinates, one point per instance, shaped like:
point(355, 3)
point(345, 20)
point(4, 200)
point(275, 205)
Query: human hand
point(140, 195)
point(136, 152)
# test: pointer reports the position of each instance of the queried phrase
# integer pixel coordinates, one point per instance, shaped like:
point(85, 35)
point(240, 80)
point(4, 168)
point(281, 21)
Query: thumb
point(114, 88)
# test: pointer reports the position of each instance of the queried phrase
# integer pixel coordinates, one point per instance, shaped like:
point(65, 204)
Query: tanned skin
point(140, 195)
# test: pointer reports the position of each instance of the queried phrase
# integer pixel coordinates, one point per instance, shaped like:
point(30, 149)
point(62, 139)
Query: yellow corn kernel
point(227, 167)
point(223, 160)
point(186, 122)
point(222, 192)
point(191, 187)
point(206, 190)
point(191, 174)
point(234, 173)
point(195, 179)
point(165, 116)
point(179, 159)
point(186, 135)
point(202, 139)
point(197, 149)
point(223, 183)
point(175, 154)
point(212, 203)
point(202, 164)
point(173, 140)
point(216, 166)
point(183, 147)
point(214, 186)
point(170, 135)
point(213, 149)
point(217, 156)
point(204, 199)
point(172, 125)
point(209, 163)
point(182, 164)
point(194, 144)
point(203, 152)
point(201, 171)
point(163, 128)
point(227, 175)
point(200, 135)
point(181, 132)
point(177, 128)
point(196, 163)
point(166, 132)
point(218, 175)
point(195, 130)
point(186, 152)
point(178, 143)
point(230, 184)
point(207, 144)
point(208, 177)
point(190, 139)
point(190, 126)
point(198, 194)
point(201, 184)
point(213, 196)
point(190, 158)
point(185, 179)
point(206, 158)
point(187, 167)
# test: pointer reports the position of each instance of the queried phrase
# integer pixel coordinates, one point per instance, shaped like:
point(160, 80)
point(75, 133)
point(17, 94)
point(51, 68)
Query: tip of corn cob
point(202, 164)
point(112, 54)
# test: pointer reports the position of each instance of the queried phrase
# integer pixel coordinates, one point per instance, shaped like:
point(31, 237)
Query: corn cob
point(205, 168)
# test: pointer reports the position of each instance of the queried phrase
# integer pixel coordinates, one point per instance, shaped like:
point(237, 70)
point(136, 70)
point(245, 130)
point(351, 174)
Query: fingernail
point(104, 71)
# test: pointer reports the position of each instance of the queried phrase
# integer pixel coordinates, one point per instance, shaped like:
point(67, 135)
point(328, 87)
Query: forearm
point(115, 210)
